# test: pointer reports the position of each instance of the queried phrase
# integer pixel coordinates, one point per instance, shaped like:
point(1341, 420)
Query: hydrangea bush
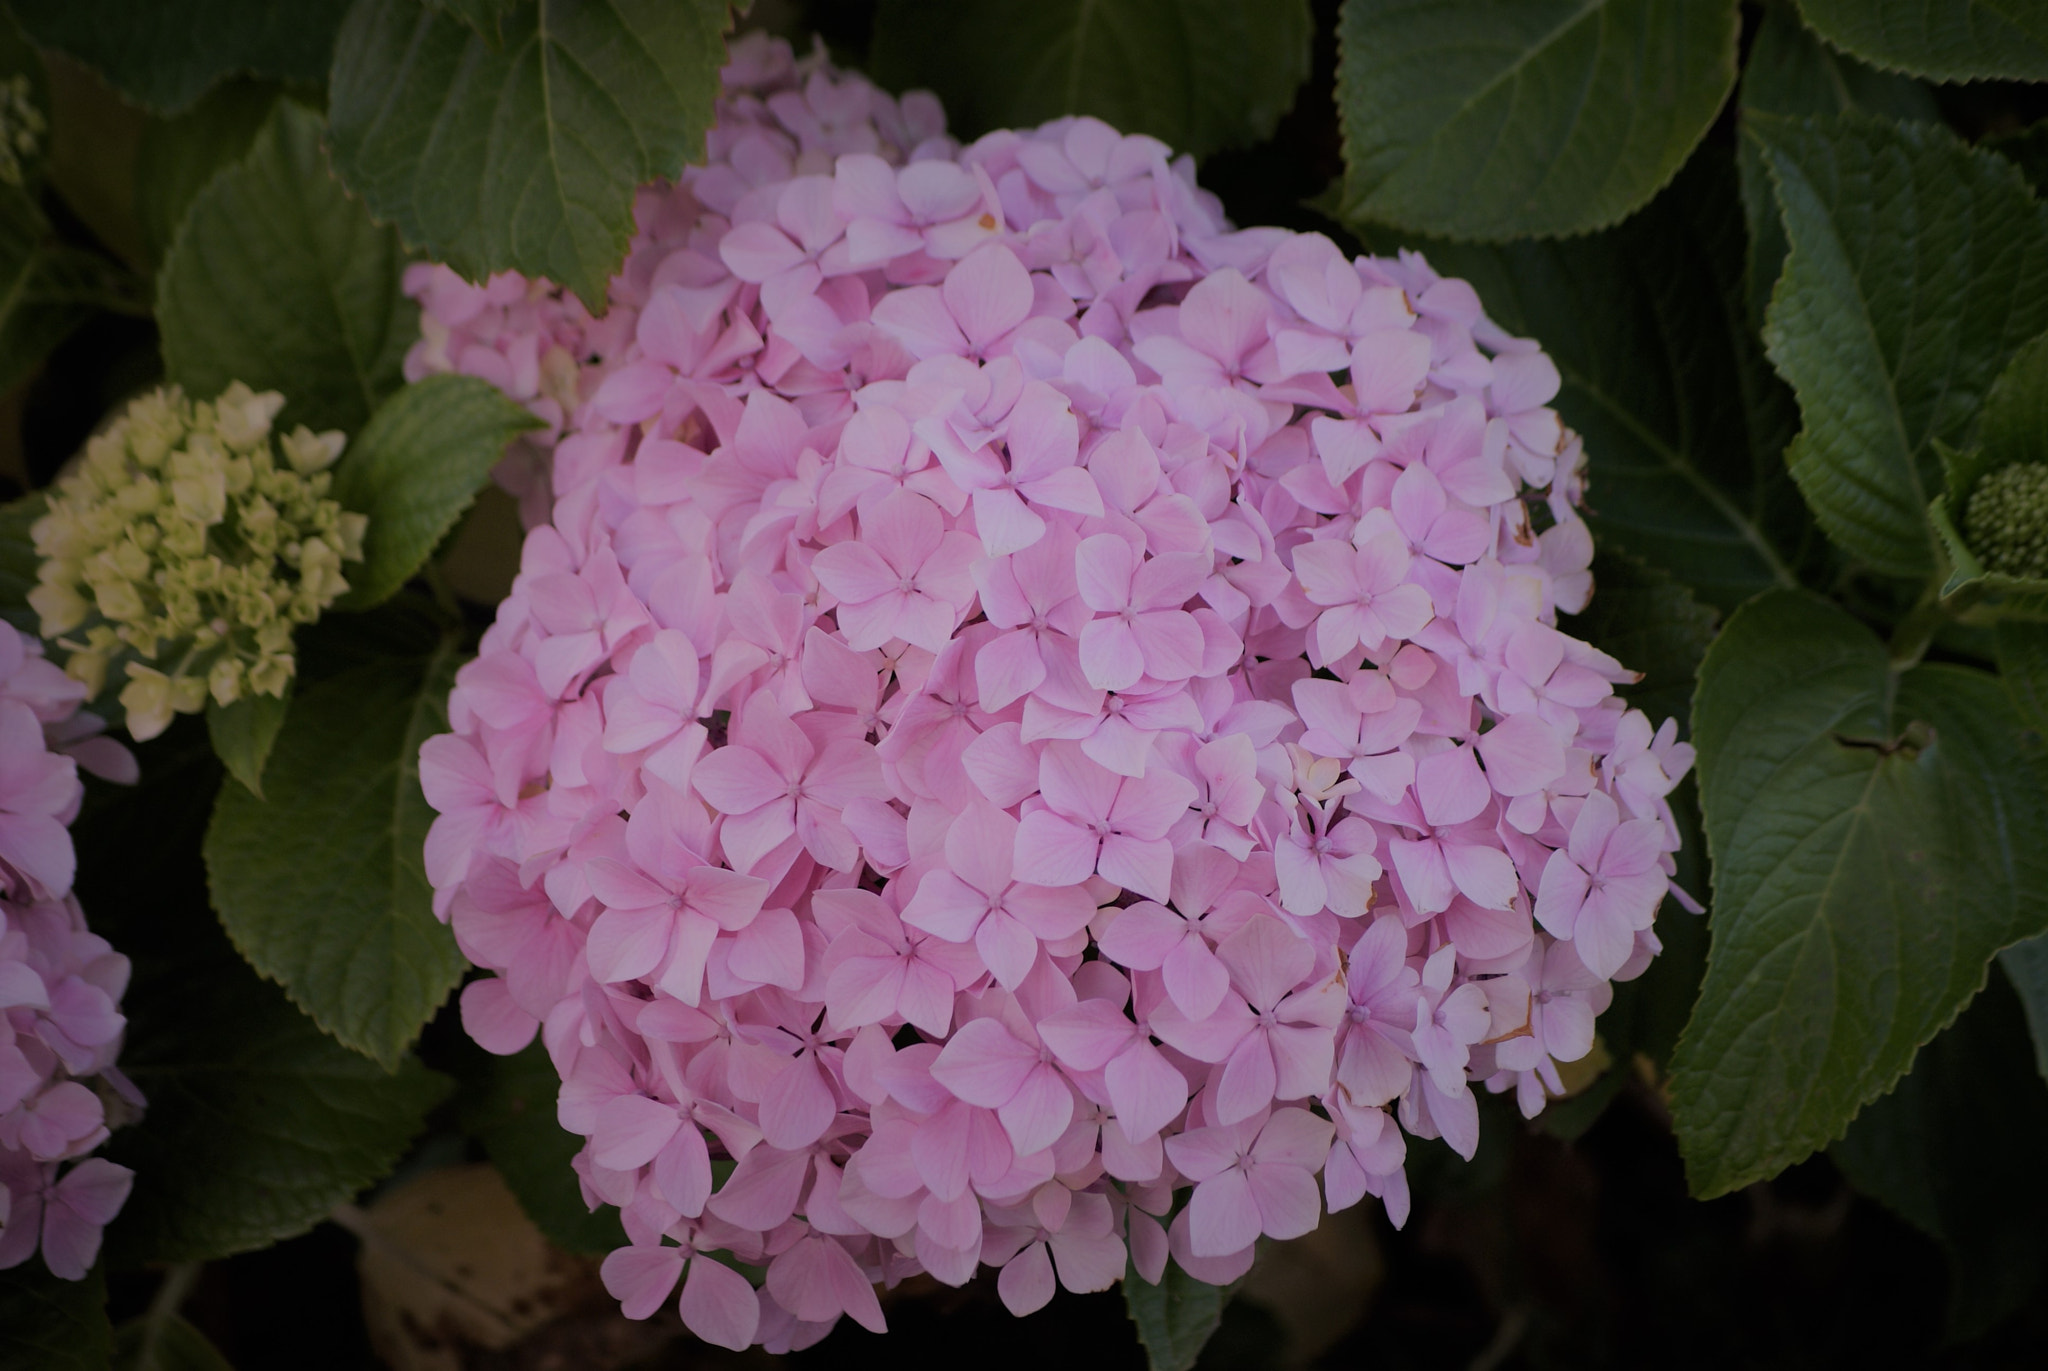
point(1146, 765)
point(1108, 635)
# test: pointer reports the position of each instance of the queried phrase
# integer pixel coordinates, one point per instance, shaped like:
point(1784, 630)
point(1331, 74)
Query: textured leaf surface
point(52, 1325)
point(279, 279)
point(508, 1104)
point(258, 1123)
point(1683, 420)
point(1956, 1150)
point(1943, 40)
point(1198, 74)
point(417, 466)
point(1917, 267)
point(1498, 119)
point(320, 884)
point(1791, 72)
point(523, 154)
point(1875, 839)
point(1175, 1318)
point(164, 54)
point(179, 156)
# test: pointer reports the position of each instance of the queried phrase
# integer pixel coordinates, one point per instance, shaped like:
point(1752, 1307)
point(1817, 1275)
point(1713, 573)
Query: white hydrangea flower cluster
point(185, 550)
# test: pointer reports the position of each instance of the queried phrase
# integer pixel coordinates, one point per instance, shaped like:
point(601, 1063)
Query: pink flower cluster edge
point(1031, 724)
point(60, 984)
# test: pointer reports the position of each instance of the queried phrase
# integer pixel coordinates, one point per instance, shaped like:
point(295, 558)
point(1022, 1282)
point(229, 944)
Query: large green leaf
point(523, 154)
point(1199, 74)
point(1498, 119)
point(1176, 1317)
point(52, 1325)
point(508, 1104)
point(426, 453)
point(280, 279)
point(1684, 422)
point(1790, 72)
point(179, 156)
point(1917, 267)
point(1956, 1150)
point(320, 884)
point(1876, 837)
point(1943, 40)
point(164, 54)
point(258, 1124)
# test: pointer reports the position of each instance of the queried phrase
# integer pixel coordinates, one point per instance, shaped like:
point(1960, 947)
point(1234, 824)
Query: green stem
point(1911, 638)
point(170, 1297)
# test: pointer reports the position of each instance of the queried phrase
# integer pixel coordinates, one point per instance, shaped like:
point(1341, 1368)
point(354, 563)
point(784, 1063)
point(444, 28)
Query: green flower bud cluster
point(182, 548)
point(21, 128)
point(2007, 521)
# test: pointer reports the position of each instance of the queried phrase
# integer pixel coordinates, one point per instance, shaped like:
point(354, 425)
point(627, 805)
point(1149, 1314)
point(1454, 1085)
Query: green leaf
point(524, 154)
point(1496, 119)
point(18, 561)
point(1956, 1150)
point(1942, 40)
point(415, 468)
point(320, 884)
point(1176, 1317)
point(279, 279)
point(2015, 421)
point(2026, 965)
point(165, 54)
point(2028, 148)
point(47, 289)
point(180, 156)
point(166, 1344)
point(2009, 430)
point(1683, 420)
point(487, 17)
point(1917, 267)
point(243, 734)
point(258, 1124)
point(508, 1105)
point(1875, 839)
point(1791, 72)
point(2023, 666)
point(53, 1325)
point(1198, 74)
point(1651, 624)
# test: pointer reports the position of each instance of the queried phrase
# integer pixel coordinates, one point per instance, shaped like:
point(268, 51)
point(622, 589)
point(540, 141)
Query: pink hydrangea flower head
point(1023, 703)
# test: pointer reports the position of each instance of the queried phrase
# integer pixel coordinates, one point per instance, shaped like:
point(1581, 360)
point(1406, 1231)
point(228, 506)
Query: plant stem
point(1911, 638)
